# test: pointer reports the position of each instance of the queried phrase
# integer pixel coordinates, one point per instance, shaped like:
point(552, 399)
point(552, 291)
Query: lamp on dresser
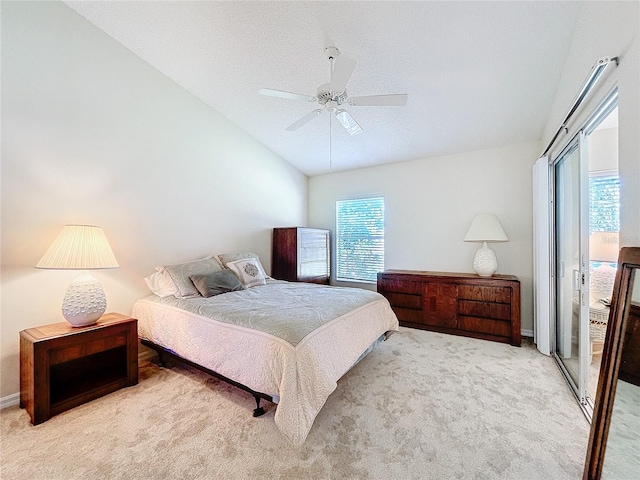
point(603, 248)
point(81, 247)
point(485, 228)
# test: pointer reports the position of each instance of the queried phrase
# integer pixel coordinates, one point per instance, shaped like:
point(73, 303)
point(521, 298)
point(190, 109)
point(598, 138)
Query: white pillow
point(249, 271)
point(161, 284)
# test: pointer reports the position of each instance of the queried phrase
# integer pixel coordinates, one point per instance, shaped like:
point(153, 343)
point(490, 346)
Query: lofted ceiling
point(478, 74)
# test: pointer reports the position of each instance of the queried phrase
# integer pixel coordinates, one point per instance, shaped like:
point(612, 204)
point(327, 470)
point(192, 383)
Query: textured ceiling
point(478, 74)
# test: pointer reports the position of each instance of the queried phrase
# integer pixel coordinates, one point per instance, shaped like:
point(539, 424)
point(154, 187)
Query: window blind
point(604, 203)
point(359, 239)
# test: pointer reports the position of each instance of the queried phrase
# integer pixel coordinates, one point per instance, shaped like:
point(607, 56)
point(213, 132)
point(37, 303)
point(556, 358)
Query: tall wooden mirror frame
point(628, 260)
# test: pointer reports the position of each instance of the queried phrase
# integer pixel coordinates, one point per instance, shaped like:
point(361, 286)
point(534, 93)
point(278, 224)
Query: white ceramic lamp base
point(85, 302)
point(601, 281)
point(485, 263)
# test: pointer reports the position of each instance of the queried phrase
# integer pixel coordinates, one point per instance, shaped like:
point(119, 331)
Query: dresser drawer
point(404, 300)
point(500, 328)
point(485, 294)
point(440, 300)
point(400, 285)
point(499, 311)
point(408, 315)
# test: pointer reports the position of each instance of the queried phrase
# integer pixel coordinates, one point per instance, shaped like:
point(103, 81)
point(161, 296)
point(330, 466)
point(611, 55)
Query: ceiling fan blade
point(348, 122)
point(289, 95)
point(304, 120)
point(343, 68)
point(393, 100)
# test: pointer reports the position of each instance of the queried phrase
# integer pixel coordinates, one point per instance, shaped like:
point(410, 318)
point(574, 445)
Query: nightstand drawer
point(85, 349)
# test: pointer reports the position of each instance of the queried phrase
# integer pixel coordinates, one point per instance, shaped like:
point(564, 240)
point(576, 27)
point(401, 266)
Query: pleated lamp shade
point(603, 247)
point(81, 247)
point(485, 228)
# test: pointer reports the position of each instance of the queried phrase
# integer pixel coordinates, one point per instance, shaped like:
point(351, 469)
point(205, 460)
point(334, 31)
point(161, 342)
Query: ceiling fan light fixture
point(348, 122)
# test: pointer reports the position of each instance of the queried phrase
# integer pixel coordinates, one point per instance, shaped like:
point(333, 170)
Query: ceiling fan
point(333, 95)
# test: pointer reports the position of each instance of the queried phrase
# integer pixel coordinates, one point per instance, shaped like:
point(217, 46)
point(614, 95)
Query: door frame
point(579, 388)
point(602, 109)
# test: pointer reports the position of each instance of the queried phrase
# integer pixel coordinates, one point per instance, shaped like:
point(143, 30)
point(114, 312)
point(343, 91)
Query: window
point(604, 203)
point(359, 239)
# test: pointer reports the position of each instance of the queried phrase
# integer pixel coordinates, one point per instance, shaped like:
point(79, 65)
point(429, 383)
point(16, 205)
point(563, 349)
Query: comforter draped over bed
point(289, 340)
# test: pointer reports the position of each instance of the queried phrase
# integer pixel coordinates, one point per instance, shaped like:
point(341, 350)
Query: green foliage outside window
point(604, 203)
point(359, 239)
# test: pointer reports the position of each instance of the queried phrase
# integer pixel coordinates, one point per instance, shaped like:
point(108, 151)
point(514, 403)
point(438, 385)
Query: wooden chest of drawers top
point(457, 277)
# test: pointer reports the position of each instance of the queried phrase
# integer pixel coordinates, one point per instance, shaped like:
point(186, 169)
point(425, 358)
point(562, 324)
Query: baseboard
point(146, 354)
point(10, 400)
point(526, 333)
point(14, 398)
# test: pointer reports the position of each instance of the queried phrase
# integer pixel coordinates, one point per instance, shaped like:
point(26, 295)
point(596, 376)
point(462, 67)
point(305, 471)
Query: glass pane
point(568, 274)
point(604, 225)
point(313, 257)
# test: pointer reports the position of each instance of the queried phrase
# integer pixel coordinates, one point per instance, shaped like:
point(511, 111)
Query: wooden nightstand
point(62, 367)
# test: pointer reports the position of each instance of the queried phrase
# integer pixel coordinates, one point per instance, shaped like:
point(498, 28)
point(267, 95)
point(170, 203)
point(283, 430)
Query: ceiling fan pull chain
point(329, 143)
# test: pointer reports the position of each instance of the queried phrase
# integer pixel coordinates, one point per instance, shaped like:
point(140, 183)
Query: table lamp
point(485, 228)
point(603, 247)
point(81, 247)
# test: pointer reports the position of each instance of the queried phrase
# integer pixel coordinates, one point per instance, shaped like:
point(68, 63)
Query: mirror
point(613, 451)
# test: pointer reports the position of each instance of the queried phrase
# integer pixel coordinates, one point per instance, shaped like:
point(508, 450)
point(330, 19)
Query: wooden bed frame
point(163, 352)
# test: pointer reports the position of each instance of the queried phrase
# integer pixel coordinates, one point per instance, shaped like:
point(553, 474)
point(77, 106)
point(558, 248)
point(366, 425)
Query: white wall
point(607, 29)
point(603, 150)
point(92, 134)
point(430, 204)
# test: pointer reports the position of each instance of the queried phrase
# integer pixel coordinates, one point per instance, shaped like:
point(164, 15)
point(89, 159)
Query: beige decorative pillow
point(225, 258)
point(249, 271)
point(180, 275)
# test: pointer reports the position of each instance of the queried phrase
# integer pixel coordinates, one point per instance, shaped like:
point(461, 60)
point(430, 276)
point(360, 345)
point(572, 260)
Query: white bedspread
point(298, 366)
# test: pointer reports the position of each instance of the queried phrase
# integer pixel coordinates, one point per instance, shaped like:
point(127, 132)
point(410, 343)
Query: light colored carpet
point(422, 405)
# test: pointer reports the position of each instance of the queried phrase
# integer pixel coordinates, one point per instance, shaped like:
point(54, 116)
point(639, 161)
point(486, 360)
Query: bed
point(287, 342)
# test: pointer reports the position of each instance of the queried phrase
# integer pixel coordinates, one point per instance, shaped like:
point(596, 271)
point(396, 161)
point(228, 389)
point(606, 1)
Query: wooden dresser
point(300, 255)
point(457, 303)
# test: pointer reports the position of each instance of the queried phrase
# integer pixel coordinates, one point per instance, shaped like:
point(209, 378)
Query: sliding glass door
point(571, 265)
